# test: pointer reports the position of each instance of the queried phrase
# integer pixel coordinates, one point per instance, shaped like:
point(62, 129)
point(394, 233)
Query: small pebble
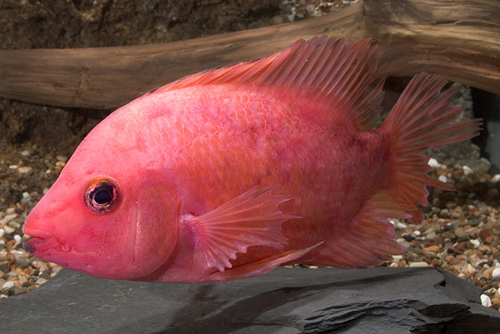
point(14, 224)
point(460, 232)
point(23, 280)
point(22, 264)
point(8, 285)
point(401, 225)
point(445, 213)
point(62, 158)
point(26, 198)
point(41, 281)
point(432, 249)
point(433, 163)
point(24, 169)
point(495, 273)
point(457, 212)
point(8, 218)
point(474, 222)
point(452, 260)
point(487, 273)
point(485, 300)
point(408, 237)
point(419, 264)
point(8, 229)
point(467, 170)
point(431, 235)
point(475, 242)
point(484, 233)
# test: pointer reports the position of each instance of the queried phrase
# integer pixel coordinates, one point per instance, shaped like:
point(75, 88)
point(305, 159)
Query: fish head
point(106, 216)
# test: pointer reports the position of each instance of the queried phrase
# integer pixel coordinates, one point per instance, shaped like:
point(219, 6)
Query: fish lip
point(39, 234)
point(30, 244)
point(39, 240)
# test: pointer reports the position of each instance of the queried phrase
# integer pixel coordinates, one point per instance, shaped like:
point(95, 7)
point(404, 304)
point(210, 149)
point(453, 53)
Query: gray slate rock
point(285, 301)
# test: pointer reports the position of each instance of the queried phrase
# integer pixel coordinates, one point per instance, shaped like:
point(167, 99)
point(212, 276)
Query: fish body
point(232, 172)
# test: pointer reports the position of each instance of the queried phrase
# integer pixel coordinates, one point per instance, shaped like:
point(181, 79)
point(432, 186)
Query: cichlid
point(231, 172)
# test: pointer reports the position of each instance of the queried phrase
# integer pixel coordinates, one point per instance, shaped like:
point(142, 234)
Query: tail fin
point(421, 119)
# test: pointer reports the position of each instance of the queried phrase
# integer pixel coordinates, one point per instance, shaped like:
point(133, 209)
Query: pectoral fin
point(252, 219)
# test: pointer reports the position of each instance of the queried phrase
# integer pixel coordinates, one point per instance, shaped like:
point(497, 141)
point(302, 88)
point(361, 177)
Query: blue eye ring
point(101, 195)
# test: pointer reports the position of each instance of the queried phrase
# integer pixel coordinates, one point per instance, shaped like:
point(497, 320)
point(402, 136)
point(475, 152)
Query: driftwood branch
point(459, 40)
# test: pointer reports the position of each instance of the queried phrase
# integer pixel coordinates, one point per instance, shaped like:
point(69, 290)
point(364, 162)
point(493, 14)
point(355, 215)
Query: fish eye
point(101, 195)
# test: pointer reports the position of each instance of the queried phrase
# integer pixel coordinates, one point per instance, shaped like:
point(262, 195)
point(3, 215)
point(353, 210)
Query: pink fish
point(229, 173)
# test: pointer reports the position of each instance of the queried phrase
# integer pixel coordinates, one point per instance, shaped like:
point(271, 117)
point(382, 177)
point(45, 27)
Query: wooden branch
point(459, 40)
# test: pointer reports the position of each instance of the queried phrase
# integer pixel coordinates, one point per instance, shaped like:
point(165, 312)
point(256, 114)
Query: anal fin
point(370, 239)
point(261, 266)
point(251, 219)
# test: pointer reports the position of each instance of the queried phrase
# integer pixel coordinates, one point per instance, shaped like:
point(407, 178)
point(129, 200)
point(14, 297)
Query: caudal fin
point(422, 118)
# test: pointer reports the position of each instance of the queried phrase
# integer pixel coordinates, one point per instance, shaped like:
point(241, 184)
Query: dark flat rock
point(285, 301)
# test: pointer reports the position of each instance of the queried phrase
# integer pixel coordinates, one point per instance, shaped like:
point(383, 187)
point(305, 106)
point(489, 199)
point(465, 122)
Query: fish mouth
point(39, 240)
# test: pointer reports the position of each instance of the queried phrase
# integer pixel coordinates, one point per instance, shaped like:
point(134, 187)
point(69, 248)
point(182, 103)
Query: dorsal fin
point(345, 73)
